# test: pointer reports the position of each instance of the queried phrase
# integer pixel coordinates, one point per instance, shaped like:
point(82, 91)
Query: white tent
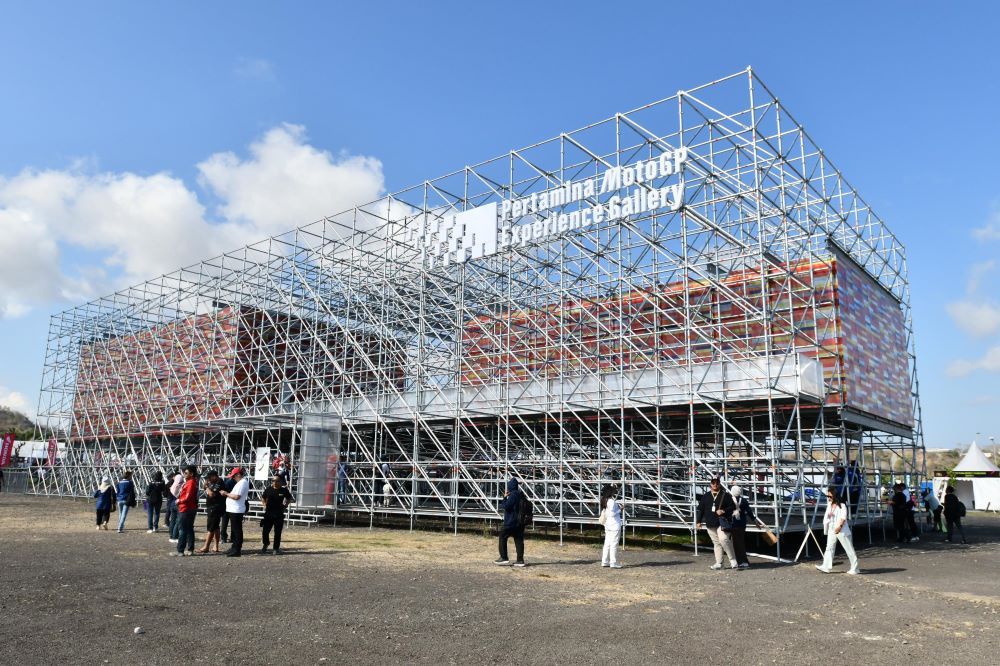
point(979, 492)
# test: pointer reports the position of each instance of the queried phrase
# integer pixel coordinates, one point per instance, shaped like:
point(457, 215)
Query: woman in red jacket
point(187, 509)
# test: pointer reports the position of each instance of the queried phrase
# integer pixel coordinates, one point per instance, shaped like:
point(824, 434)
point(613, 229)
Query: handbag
point(769, 537)
point(603, 520)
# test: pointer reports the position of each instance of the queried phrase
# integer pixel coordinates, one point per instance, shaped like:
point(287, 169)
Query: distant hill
point(16, 422)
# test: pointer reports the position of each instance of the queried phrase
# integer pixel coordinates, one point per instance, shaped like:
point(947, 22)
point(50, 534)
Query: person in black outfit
point(953, 514)
point(227, 485)
point(154, 501)
point(900, 509)
point(215, 508)
point(276, 499)
point(511, 525)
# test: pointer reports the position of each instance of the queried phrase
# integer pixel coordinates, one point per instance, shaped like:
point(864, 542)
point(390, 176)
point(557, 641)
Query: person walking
point(512, 526)
point(173, 492)
point(954, 511)
point(276, 499)
point(715, 512)
point(187, 509)
point(155, 491)
point(105, 495)
point(837, 528)
point(611, 515)
point(741, 518)
point(236, 507)
point(934, 509)
point(215, 506)
point(125, 495)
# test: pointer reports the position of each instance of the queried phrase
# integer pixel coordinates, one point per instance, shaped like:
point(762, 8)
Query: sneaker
point(98, 527)
point(854, 572)
point(190, 553)
point(263, 551)
point(233, 553)
point(172, 540)
point(121, 531)
point(278, 551)
point(520, 563)
point(914, 539)
point(149, 531)
point(501, 561)
point(715, 567)
point(735, 567)
point(745, 565)
point(616, 566)
point(174, 553)
point(820, 567)
point(604, 564)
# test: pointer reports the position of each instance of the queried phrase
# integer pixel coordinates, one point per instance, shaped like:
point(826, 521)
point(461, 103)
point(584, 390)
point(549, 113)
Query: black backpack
point(961, 509)
point(525, 512)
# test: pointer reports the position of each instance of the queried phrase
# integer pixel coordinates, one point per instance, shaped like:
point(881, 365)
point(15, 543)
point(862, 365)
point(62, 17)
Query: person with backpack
point(154, 500)
point(715, 512)
point(125, 494)
point(837, 529)
point(105, 495)
point(515, 519)
point(611, 518)
point(954, 511)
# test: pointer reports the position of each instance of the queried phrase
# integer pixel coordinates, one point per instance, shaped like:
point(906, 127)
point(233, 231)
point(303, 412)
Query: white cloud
point(286, 182)
point(16, 401)
point(990, 362)
point(256, 69)
point(132, 227)
point(978, 319)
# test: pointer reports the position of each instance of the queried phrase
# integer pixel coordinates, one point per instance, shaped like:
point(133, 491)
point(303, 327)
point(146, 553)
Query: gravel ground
point(70, 594)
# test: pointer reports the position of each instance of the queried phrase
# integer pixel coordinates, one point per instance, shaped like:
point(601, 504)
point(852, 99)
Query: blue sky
point(177, 112)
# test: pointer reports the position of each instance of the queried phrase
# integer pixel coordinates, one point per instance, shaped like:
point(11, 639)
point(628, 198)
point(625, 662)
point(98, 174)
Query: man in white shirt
point(236, 506)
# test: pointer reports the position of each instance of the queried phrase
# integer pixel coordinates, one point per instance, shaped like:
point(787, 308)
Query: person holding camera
point(715, 511)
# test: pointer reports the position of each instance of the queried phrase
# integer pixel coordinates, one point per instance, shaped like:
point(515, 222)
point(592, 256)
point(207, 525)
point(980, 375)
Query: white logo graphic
point(458, 237)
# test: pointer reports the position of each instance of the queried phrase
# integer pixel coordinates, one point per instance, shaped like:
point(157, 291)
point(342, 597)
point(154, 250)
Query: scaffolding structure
point(745, 315)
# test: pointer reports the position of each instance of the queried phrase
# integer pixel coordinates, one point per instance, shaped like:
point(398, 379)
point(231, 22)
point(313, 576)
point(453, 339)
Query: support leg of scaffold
point(809, 534)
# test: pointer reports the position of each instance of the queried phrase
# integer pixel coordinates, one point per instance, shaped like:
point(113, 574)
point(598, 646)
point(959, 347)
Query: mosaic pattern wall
point(876, 371)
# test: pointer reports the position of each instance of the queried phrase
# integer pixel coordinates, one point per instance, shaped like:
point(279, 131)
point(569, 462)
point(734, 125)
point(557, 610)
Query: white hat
point(736, 491)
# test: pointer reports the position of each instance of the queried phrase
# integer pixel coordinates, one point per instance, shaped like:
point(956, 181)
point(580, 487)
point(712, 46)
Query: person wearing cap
point(215, 506)
point(187, 509)
point(715, 511)
point(276, 499)
point(236, 507)
point(741, 516)
point(105, 495)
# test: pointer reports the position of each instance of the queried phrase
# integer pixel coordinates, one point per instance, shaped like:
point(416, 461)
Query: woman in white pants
point(611, 517)
point(836, 528)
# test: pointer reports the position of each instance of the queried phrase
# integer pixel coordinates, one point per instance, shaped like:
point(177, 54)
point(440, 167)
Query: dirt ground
point(70, 594)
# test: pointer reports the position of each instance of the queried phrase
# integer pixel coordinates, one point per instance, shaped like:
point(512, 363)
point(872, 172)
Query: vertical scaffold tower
point(685, 290)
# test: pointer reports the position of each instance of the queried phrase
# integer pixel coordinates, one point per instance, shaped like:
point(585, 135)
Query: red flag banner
point(53, 452)
point(6, 449)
